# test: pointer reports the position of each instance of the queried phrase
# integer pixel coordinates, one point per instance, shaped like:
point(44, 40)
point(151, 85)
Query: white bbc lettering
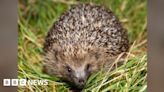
point(45, 82)
point(40, 82)
point(22, 82)
point(31, 82)
point(6, 82)
point(14, 82)
point(37, 82)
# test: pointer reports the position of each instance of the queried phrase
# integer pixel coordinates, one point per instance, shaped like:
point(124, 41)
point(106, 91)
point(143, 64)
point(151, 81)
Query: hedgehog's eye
point(88, 67)
point(69, 69)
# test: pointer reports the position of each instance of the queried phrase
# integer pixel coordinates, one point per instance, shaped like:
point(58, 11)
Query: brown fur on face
point(76, 66)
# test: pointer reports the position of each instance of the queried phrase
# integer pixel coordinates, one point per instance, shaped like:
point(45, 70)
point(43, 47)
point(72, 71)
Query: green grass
point(35, 18)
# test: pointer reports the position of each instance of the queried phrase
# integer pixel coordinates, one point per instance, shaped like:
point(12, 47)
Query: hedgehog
point(82, 41)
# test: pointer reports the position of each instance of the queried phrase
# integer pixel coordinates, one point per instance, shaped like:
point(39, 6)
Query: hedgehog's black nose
point(81, 81)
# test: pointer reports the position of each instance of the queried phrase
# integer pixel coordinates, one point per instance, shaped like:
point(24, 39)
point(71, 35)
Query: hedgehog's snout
point(80, 78)
point(80, 82)
point(78, 75)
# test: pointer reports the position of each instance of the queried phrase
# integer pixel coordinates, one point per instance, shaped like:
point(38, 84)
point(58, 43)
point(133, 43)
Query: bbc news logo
point(23, 82)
